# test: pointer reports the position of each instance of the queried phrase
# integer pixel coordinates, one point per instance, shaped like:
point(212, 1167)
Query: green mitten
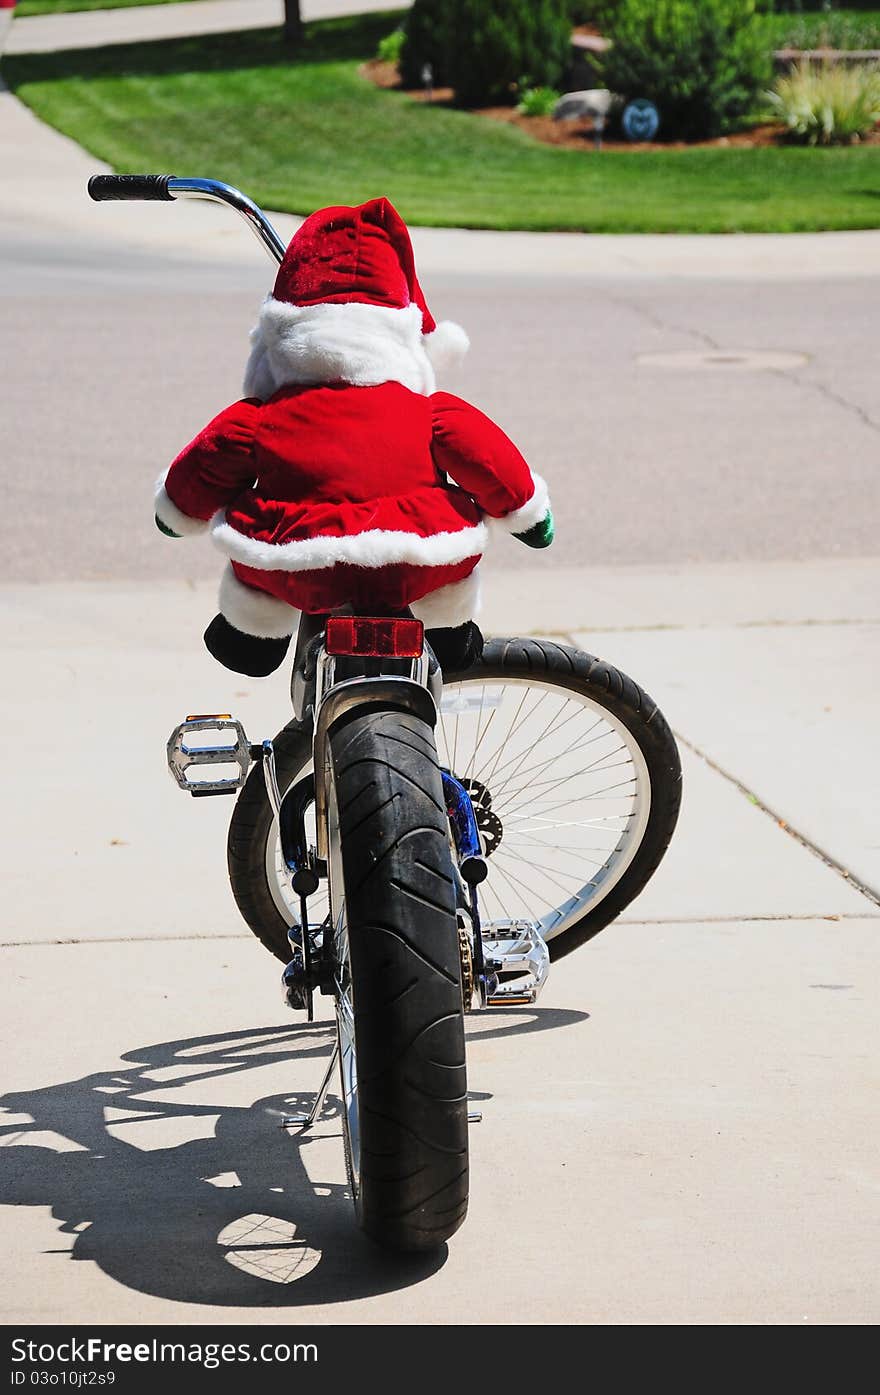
point(541, 535)
point(163, 528)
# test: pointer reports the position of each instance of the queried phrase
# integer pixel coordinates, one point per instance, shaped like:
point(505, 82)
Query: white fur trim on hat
point(254, 612)
point(446, 345)
point(449, 605)
point(174, 518)
point(306, 345)
point(532, 512)
point(376, 547)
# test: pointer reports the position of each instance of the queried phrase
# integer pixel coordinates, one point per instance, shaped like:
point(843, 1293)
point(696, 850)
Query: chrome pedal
point(184, 757)
point(517, 962)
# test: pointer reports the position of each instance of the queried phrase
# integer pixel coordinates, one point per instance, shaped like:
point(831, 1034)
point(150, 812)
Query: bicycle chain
point(465, 954)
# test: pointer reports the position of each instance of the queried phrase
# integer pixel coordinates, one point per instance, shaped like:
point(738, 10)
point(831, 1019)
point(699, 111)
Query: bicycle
point(420, 845)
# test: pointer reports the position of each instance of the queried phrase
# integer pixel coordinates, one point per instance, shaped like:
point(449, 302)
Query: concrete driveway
point(681, 1131)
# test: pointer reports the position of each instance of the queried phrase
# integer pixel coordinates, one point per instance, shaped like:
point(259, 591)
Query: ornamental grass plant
point(828, 103)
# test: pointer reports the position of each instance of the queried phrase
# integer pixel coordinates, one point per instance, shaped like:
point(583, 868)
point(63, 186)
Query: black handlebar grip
point(103, 187)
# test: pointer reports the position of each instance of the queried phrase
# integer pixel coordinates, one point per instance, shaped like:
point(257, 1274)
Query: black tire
point(394, 870)
point(567, 668)
point(249, 832)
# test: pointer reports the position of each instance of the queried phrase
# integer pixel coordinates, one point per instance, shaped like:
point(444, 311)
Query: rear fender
point(350, 699)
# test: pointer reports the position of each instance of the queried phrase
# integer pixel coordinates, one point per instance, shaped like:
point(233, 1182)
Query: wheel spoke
point(576, 745)
point(486, 775)
point(540, 867)
point(595, 767)
point(596, 795)
point(549, 754)
point(516, 761)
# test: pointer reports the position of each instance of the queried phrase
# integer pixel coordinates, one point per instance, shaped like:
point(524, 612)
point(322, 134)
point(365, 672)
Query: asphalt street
point(681, 1130)
point(120, 357)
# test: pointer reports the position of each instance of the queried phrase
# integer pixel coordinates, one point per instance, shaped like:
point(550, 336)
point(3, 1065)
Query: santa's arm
point(209, 472)
point(480, 458)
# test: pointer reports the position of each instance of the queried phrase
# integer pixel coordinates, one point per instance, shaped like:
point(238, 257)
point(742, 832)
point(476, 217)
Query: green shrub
point(391, 47)
point(429, 28)
point(496, 41)
point(834, 29)
point(591, 11)
point(538, 101)
point(828, 103)
point(703, 62)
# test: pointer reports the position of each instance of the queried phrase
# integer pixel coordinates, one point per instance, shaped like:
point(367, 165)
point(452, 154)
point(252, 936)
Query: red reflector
point(375, 639)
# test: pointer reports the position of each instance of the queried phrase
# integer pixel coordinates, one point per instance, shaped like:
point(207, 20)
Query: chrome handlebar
point(163, 187)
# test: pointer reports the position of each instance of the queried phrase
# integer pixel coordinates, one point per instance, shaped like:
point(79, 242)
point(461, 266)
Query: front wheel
point(397, 981)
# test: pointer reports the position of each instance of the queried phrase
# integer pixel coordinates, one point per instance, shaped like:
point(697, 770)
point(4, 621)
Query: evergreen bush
point(498, 45)
point(702, 62)
point(429, 27)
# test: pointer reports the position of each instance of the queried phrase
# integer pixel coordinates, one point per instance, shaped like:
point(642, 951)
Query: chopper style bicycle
point(419, 845)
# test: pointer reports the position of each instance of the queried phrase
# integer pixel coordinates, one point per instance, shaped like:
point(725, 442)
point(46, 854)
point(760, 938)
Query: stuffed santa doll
point(343, 477)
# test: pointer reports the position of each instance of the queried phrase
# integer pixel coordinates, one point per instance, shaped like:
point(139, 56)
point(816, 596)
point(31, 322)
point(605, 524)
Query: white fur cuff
point(532, 512)
point(174, 518)
point(450, 605)
point(254, 612)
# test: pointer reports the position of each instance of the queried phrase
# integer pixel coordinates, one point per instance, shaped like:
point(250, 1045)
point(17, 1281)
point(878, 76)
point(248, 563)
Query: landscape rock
point(573, 106)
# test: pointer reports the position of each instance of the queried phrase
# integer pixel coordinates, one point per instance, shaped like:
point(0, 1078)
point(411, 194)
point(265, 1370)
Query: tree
point(293, 25)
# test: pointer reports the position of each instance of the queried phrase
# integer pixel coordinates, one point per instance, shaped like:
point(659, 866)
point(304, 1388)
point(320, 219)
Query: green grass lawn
point(299, 135)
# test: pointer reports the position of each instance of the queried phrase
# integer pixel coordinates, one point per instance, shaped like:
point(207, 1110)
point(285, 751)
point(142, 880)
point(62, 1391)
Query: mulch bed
point(579, 135)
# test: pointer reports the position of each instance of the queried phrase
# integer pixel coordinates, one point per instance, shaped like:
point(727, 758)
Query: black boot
point(458, 647)
point(244, 653)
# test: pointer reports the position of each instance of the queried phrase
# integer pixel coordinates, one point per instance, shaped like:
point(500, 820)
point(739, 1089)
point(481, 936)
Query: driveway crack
point(843, 872)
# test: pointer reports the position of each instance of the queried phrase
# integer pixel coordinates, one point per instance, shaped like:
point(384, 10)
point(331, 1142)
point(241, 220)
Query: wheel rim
point(567, 780)
point(343, 997)
point(568, 783)
point(277, 875)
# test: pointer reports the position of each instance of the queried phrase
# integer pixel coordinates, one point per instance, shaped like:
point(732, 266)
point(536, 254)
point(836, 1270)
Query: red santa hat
point(347, 306)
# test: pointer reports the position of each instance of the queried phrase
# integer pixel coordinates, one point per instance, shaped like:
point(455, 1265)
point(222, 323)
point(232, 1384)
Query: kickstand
point(305, 1121)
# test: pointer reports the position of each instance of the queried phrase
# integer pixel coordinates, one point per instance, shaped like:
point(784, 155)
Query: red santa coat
point(337, 493)
point(343, 475)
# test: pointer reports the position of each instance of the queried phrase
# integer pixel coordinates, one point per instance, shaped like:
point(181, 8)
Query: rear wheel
point(575, 779)
point(397, 980)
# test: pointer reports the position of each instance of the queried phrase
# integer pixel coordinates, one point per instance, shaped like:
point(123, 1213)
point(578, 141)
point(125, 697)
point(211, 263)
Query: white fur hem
point(174, 518)
point(532, 512)
point(373, 548)
point(254, 612)
point(305, 345)
point(450, 605)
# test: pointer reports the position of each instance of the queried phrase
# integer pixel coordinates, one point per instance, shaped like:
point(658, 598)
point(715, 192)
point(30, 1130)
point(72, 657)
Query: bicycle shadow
point(229, 1219)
